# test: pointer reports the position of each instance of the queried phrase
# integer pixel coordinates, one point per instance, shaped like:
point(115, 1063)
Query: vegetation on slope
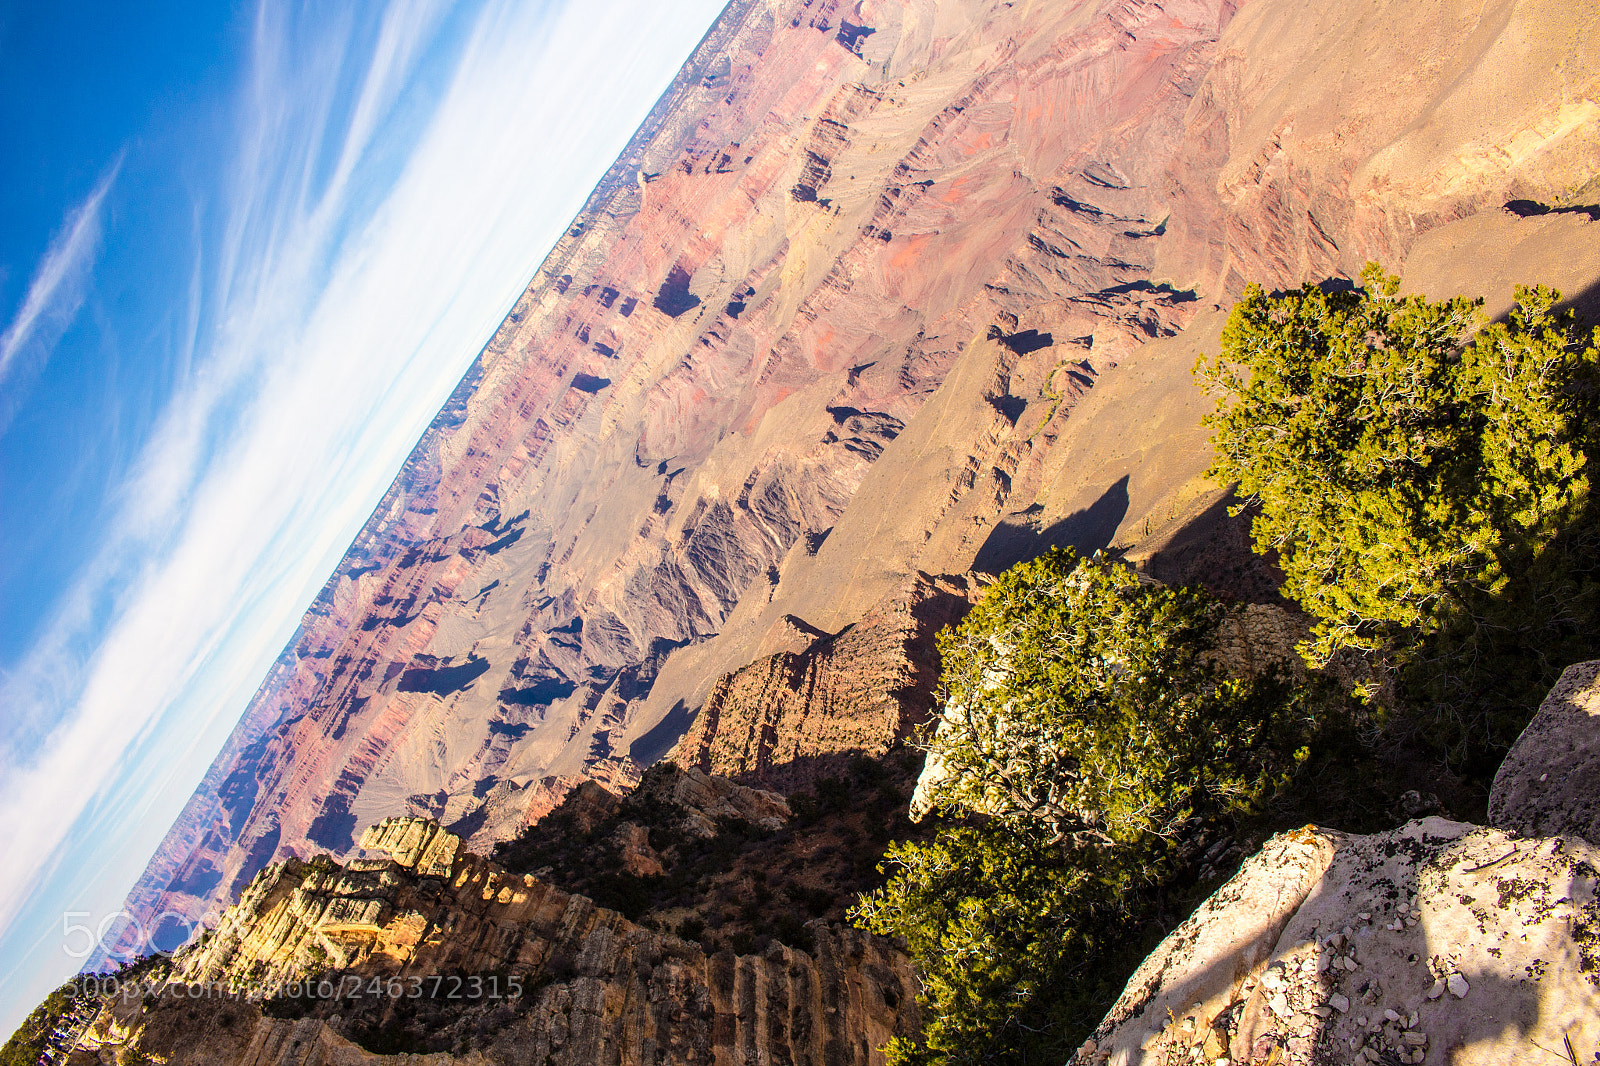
point(745, 886)
point(1422, 479)
point(49, 1026)
point(1090, 737)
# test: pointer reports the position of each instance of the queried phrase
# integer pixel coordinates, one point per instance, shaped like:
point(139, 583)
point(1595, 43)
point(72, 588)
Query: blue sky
point(245, 253)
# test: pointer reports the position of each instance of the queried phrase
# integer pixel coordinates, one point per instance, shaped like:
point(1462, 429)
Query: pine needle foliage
point(38, 1031)
point(1079, 697)
point(1088, 723)
point(1424, 480)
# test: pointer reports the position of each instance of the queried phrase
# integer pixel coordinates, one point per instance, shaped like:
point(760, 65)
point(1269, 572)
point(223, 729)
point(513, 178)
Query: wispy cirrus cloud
point(56, 290)
point(395, 182)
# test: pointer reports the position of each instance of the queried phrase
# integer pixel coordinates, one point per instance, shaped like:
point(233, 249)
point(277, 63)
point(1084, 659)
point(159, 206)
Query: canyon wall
point(881, 288)
point(802, 712)
point(444, 955)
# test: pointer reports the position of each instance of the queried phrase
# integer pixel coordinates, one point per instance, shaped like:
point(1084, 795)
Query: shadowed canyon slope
point(879, 289)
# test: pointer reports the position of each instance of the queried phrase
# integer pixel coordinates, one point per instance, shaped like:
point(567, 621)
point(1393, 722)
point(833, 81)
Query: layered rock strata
point(1438, 941)
point(884, 287)
point(802, 712)
point(590, 987)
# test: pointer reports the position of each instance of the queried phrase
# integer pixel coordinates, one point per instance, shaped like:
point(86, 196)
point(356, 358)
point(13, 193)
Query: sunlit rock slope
point(1437, 941)
point(549, 978)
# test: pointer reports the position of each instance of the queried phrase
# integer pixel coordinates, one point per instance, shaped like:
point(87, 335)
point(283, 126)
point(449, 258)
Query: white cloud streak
point(57, 287)
point(340, 314)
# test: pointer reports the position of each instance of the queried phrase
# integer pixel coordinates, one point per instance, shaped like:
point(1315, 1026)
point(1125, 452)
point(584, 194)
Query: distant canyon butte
point(881, 294)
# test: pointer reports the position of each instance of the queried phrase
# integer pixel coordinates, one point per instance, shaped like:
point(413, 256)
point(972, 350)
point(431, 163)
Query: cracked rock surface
point(1550, 782)
point(1437, 941)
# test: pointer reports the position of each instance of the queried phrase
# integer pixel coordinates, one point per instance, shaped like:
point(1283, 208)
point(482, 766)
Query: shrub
point(1094, 704)
point(1423, 478)
point(35, 1034)
point(1088, 725)
point(1020, 944)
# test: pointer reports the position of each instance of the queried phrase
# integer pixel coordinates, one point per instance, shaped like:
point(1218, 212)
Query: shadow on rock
point(1213, 550)
point(1018, 538)
point(1437, 941)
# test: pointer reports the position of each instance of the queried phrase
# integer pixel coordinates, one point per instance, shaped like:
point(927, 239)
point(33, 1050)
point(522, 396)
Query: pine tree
point(1423, 479)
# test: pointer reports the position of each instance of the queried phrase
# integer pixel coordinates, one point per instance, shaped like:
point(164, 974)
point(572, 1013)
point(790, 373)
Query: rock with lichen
point(1437, 941)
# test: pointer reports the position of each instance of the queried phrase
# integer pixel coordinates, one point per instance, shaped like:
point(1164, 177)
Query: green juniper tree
point(1423, 479)
point(1087, 721)
point(37, 1033)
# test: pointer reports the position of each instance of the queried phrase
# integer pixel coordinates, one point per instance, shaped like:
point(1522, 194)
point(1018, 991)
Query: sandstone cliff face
point(593, 988)
point(1434, 942)
point(801, 713)
point(893, 286)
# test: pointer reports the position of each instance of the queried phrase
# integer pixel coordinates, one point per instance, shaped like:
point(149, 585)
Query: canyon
point(882, 298)
point(1436, 939)
point(567, 982)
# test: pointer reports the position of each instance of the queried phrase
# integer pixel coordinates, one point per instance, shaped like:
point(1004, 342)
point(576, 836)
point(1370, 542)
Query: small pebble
point(1437, 990)
point(1458, 985)
point(1339, 1003)
point(1391, 1014)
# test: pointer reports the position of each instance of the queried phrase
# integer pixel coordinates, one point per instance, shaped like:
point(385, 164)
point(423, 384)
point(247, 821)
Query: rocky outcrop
point(571, 983)
point(878, 289)
point(415, 843)
point(507, 808)
point(1549, 784)
point(802, 712)
point(1434, 942)
point(705, 799)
